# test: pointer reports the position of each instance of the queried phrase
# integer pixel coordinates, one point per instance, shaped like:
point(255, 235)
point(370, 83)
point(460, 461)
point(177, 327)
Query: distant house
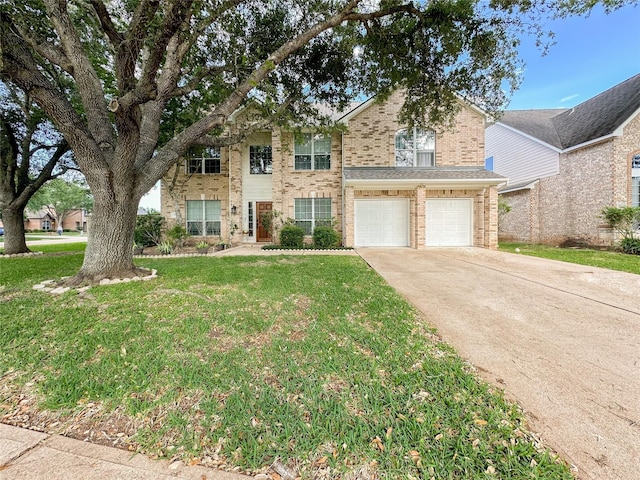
point(379, 182)
point(565, 165)
point(75, 220)
point(39, 220)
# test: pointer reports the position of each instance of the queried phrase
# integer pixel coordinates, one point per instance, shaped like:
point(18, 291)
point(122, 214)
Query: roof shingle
point(593, 119)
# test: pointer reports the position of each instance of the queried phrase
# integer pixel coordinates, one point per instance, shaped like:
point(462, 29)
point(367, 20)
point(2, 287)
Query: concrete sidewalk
point(26, 454)
point(52, 240)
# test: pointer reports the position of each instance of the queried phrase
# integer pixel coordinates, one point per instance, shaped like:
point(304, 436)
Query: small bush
point(630, 246)
point(165, 247)
point(177, 234)
point(325, 237)
point(292, 236)
point(148, 229)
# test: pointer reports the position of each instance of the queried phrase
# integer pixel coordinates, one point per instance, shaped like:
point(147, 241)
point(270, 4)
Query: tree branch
point(48, 50)
point(19, 66)
point(107, 24)
point(173, 21)
point(128, 50)
point(87, 80)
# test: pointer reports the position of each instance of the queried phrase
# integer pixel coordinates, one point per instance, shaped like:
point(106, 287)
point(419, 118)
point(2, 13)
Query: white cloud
point(569, 98)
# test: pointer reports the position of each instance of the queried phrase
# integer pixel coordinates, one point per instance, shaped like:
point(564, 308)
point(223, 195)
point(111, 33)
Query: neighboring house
point(565, 165)
point(381, 184)
point(75, 220)
point(39, 220)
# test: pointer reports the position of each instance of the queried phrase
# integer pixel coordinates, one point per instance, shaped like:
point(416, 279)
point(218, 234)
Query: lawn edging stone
point(49, 285)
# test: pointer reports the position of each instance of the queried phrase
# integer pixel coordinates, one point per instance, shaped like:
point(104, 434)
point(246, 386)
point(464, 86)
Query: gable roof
point(359, 107)
point(535, 123)
point(594, 119)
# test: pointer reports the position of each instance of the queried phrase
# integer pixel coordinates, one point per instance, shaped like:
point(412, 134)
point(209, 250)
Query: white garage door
point(382, 223)
point(449, 222)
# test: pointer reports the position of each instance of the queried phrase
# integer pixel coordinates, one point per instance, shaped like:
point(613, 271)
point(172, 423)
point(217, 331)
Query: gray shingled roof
point(404, 173)
point(596, 118)
point(536, 123)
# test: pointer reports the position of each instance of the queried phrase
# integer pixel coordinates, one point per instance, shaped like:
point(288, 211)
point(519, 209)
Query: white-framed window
point(310, 213)
point(635, 181)
point(260, 159)
point(203, 217)
point(250, 218)
point(204, 160)
point(415, 148)
point(312, 152)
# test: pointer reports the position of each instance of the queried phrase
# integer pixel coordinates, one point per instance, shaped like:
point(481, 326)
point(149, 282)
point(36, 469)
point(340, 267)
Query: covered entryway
point(381, 222)
point(449, 222)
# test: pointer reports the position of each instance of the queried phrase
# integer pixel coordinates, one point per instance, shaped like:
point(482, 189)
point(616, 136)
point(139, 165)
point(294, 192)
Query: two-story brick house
point(381, 183)
point(565, 165)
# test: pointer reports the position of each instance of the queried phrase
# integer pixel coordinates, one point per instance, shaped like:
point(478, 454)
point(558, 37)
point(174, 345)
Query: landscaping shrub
point(292, 236)
point(177, 234)
point(624, 220)
point(325, 237)
point(630, 245)
point(148, 229)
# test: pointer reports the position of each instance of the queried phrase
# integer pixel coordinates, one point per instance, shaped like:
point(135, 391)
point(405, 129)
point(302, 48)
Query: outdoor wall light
point(233, 210)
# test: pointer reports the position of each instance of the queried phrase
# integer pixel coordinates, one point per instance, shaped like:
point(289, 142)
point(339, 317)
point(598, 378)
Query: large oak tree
point(136, 64)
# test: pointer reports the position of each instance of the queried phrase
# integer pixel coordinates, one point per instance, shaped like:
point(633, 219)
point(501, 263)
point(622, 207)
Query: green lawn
point(238, 361)
point(583, 256)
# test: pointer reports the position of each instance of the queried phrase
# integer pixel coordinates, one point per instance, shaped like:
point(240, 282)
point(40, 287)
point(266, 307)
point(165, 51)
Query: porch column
point(348, 235)
point(491, 218)
point(418, 237)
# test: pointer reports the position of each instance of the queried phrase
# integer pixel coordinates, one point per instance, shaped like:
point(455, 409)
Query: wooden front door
point(264, 232)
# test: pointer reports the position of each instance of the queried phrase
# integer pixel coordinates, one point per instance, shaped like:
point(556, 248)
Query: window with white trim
point(203, 217)
point(635, 181)
point(250, 218)
point(415, 148)
point(310, 213)
point(260, 159)
point(312, 152)
point(204, 160)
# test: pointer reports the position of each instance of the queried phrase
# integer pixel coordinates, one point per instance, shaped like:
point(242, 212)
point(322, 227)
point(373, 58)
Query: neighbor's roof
point(38, 214)
point(596, 118)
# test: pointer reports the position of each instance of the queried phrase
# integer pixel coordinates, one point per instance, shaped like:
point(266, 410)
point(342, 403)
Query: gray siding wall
point(517, 157)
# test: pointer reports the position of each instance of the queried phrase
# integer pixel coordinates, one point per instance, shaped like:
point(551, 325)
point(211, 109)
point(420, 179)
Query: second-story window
point(260, 159)
point(415, 148)
point(312, 152)
point(204, 160)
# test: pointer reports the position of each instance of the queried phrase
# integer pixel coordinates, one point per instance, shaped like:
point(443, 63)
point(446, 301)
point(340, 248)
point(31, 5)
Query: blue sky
point(590, 55)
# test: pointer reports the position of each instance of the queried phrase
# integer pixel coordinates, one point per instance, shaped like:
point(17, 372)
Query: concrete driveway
point(562, 340)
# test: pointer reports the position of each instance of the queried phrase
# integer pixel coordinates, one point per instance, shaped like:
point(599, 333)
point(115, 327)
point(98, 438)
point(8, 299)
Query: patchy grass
point(237, 362)
point(583, 256)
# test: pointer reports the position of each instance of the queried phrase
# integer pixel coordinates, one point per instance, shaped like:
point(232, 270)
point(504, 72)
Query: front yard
point(236, 362)
point(612, 260)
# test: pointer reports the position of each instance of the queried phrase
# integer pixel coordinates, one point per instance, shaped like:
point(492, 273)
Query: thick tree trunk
point(14, 241)
point(109, 252)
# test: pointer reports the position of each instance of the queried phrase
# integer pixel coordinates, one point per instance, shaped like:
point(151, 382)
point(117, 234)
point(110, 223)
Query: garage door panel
point(381, 222)
point(449, 223)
